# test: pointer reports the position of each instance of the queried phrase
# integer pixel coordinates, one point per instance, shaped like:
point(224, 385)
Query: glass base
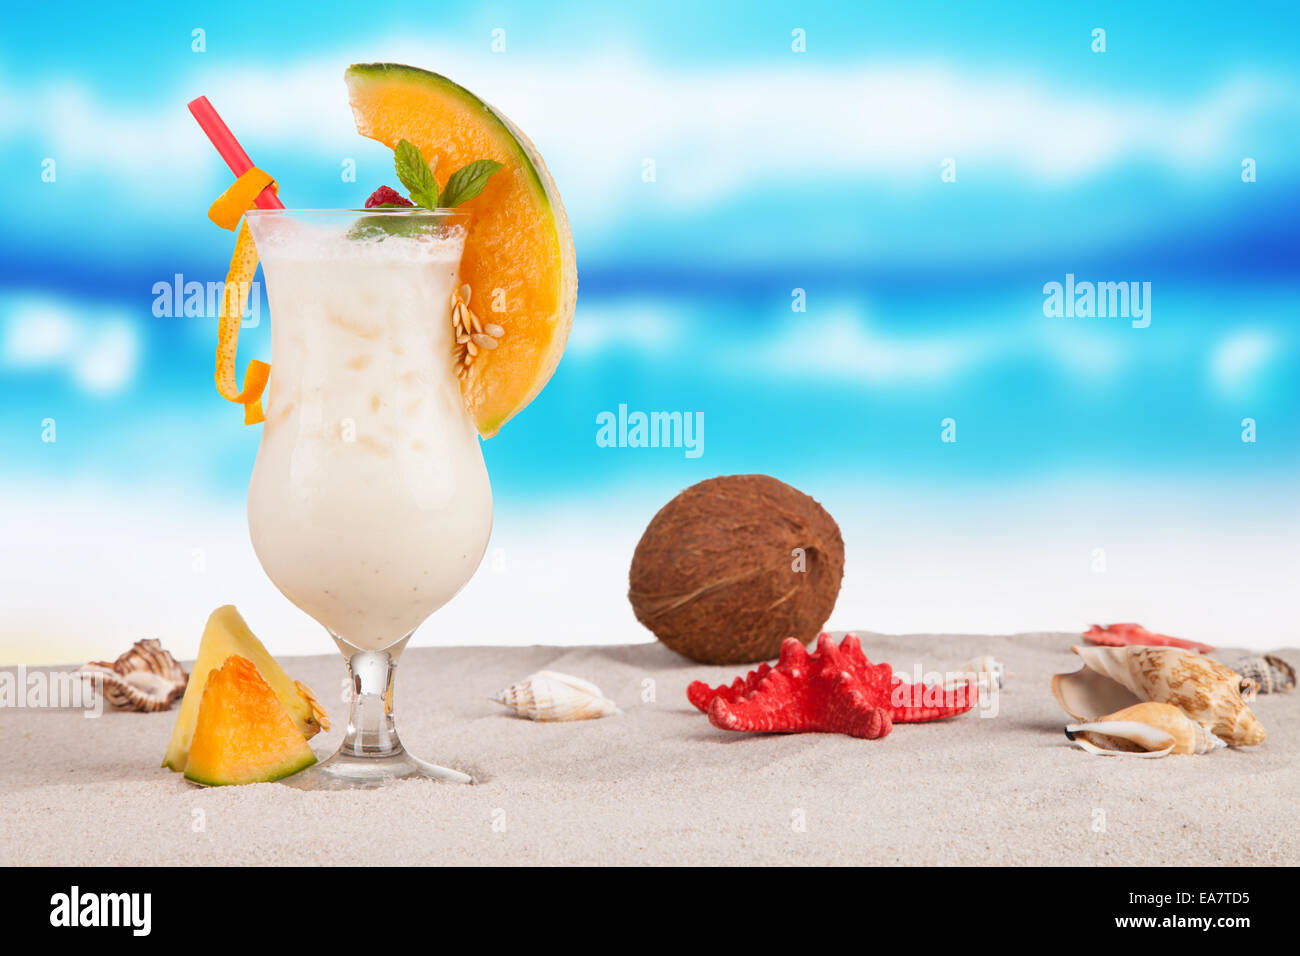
point(371, 756)
point(348, 772)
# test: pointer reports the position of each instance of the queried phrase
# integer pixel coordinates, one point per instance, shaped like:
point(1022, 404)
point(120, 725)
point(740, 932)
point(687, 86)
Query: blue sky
point(1059, 150)
point(773, 169)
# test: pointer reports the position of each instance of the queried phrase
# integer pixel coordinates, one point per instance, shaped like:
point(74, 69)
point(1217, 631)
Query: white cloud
point(846, 346)
point(843, 343)
point(38, 333)
point(99, 348)
point(1238, 359)
point(712, 132)
point(636, 327)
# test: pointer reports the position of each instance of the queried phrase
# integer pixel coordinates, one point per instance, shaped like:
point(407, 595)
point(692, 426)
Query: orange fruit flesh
point(227, 635)
point(243, 733)
point(518, 259)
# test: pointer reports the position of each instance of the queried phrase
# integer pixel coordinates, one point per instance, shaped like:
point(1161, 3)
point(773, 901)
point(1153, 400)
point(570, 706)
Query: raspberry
point(387, 196)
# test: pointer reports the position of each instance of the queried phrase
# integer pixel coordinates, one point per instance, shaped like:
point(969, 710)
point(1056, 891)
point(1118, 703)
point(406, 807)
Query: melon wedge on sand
point(243, 733)
point(227, 635)
point(519, 259)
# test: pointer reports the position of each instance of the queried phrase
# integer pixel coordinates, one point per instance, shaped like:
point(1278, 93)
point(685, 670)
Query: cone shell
point(1113, 678)
point(1148, 729)
point(552, 696)
point(1271, 673)
point(145, 678)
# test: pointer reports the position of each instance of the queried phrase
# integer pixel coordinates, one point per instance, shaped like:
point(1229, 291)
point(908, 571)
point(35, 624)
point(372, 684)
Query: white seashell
point(145, 678)
point(552, 696)
point(1148, 741)
point(1149, 729)
point(577, 683)
point(989, 674)
point(1206, 691)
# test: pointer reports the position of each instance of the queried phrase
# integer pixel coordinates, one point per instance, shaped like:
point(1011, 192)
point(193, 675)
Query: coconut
point(733, 566)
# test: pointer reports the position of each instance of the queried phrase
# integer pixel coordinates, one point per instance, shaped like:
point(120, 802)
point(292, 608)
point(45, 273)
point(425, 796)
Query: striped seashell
point(1206, 691)
point(1149, 729)
point(145, 678)
point(1270, 672)
point(552, 696)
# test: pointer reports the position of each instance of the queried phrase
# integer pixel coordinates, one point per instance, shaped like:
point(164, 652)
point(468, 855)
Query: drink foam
point(289, 239)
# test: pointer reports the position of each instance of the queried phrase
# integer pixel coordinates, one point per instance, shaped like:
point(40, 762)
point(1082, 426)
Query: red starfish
point(1123, 635)
point(832, 690)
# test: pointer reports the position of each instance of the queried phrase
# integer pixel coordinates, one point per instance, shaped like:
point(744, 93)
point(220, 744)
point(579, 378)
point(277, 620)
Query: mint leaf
point(428, 200)
point(416, 175)
point(381, 227)
point(467, 182)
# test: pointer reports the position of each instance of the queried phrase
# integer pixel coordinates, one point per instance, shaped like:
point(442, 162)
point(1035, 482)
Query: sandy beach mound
point(659, 785)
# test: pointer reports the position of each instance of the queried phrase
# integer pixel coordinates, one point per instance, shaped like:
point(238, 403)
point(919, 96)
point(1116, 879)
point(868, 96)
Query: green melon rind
point(400, 73)
point(287, 769)
point(178, 746)
point(541, 178)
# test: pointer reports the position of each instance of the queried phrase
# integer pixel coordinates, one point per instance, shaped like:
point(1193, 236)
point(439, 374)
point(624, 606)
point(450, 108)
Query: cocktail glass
point(369, 505)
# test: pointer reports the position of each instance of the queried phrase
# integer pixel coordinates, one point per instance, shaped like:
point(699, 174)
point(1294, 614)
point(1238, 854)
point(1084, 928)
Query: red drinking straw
point(229, 148)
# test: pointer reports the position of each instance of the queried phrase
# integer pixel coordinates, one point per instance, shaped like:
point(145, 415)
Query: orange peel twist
point(227, 212)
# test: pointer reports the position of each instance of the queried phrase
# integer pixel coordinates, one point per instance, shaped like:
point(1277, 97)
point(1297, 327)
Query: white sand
point(660, 785)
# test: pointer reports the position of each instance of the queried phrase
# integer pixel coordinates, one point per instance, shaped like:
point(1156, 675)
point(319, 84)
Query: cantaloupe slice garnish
point(227, 635)
point(243, 733)
point(519, 261)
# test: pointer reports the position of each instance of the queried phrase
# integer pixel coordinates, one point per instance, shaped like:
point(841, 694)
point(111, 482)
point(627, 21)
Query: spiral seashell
point(1149, 729)
point(1270, 672)
point(989, 674)
point(552, 696)
point(145, 678)
point(1206, 691)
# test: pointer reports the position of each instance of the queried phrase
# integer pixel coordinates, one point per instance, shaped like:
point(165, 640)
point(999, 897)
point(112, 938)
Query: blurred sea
point(1071, 435)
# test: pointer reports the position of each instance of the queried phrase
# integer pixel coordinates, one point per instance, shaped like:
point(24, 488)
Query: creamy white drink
point(369, 505)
